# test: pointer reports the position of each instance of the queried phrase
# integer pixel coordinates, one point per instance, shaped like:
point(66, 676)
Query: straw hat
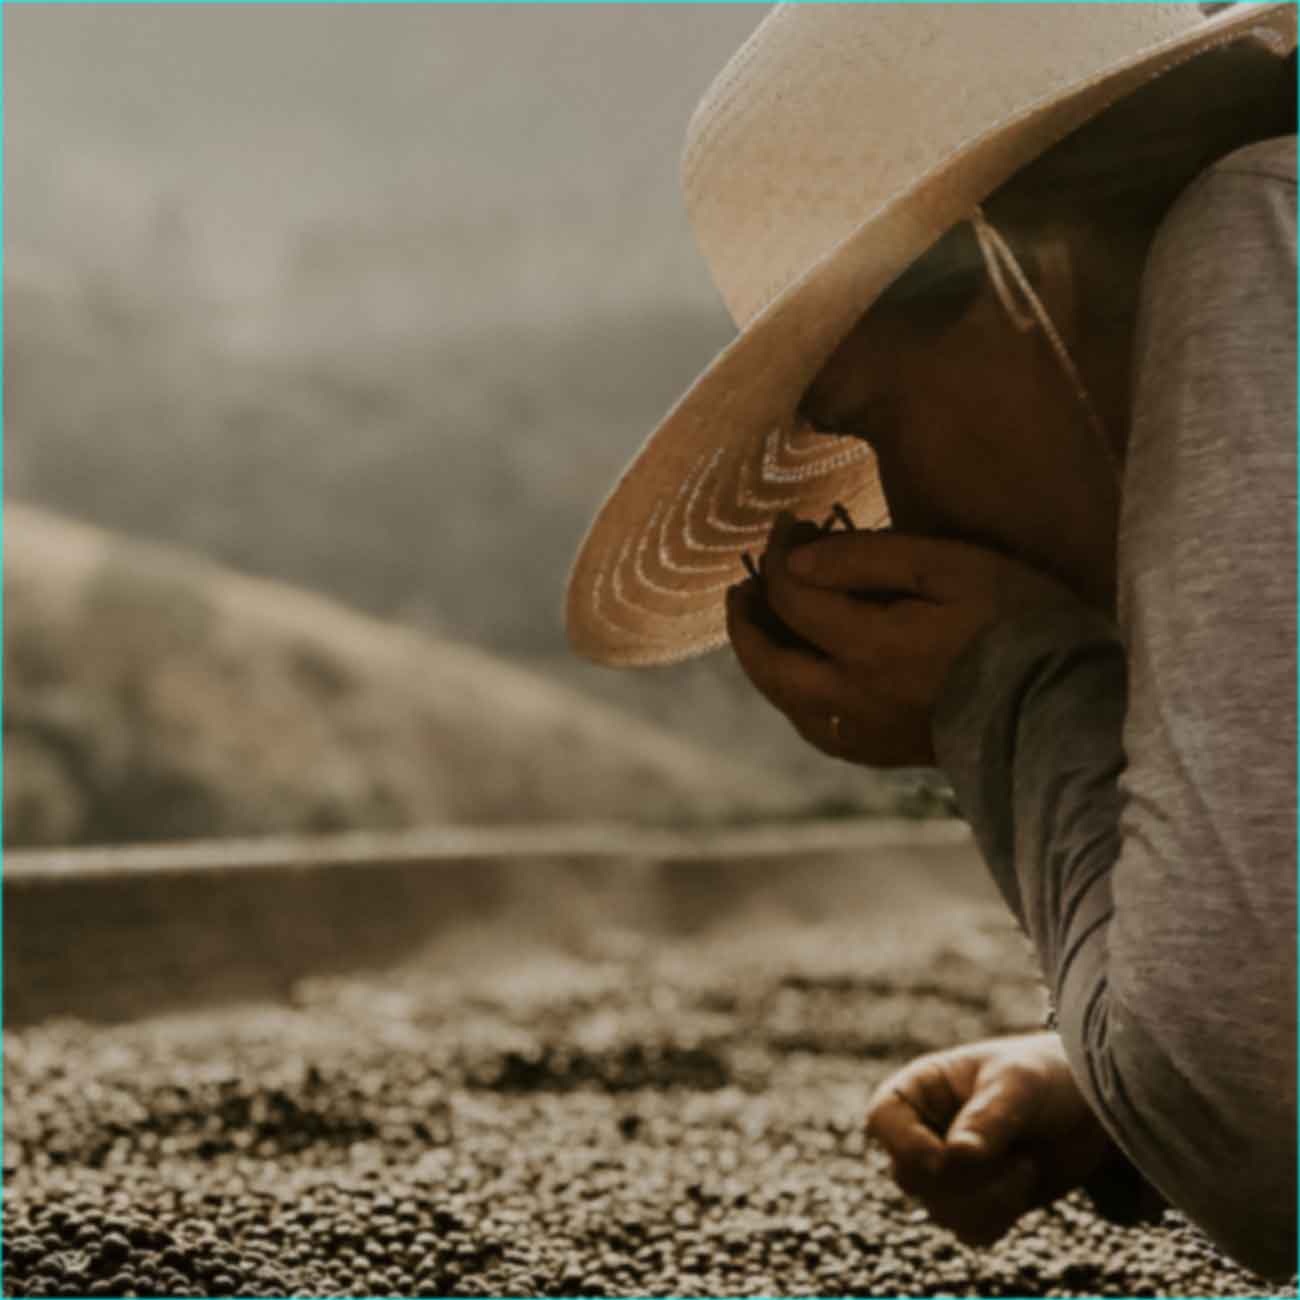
point(838, 145)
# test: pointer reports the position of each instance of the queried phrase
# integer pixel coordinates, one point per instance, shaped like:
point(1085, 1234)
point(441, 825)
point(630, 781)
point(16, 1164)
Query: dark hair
point(1119, 173)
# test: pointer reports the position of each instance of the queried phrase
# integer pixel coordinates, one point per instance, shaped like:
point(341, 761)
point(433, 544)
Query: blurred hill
point(149, 695)
point(442, 482)
point(374, 300)
point(432, 476)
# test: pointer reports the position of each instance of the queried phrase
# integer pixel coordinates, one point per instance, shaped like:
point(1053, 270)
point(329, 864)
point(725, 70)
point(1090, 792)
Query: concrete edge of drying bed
point(116, 933)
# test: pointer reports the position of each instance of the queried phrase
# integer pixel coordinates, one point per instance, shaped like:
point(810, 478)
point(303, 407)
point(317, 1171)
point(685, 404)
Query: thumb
point(998, 1113)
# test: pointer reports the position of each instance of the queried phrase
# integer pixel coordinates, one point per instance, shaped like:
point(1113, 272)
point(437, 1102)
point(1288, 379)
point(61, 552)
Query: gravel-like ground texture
point(629, 1121)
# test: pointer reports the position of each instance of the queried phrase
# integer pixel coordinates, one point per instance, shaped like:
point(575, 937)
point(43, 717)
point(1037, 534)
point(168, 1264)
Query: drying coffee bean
point(694, 1145)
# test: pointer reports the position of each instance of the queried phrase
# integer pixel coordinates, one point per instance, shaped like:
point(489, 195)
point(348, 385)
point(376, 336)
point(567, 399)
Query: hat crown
point(829, 111)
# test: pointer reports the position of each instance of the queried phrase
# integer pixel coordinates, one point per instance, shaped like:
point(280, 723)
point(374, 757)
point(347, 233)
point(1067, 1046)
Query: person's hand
point(867, 627)
point(985, 1133)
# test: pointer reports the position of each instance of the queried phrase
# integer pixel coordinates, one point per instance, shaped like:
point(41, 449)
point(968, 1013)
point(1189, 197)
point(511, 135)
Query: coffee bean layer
point(683, 1122)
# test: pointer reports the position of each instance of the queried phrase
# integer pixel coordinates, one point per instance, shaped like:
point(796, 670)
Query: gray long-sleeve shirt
point(1133, 786)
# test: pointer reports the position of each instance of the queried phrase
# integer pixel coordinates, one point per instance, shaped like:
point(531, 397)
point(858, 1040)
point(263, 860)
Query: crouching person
point(1019, 282)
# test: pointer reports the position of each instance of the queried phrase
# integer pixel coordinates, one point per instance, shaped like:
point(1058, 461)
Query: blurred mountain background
point(375, 302)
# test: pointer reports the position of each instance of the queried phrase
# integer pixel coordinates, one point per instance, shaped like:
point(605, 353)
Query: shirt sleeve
point(1132, 785)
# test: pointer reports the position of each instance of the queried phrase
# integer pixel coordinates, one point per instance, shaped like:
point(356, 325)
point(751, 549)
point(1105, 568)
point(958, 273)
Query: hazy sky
point(258, 122)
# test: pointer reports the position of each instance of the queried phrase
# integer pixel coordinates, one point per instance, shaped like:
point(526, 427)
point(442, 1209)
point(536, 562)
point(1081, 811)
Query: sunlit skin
point(1002, 501)
point(984, 1133)
point(984, 455)
point(1003, 505)
point(978, 432)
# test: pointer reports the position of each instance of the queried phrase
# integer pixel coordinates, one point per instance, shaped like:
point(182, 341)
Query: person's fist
point(984, 1133)
point(852, 635)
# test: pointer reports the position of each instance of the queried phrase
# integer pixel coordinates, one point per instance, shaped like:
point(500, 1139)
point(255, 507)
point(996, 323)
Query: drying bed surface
point(635, 1119)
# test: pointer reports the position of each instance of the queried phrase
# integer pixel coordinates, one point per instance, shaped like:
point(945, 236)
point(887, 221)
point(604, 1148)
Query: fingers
point(792, 680)
point(915, 1149)
point(979, 1214)
point(953, 1129)
point(886, 562)
point(827, 702)
point(786, 533)
point(1002, 1109)
point(876, 607)
point(847, 627)
point(941, 571)
point(909, 1116)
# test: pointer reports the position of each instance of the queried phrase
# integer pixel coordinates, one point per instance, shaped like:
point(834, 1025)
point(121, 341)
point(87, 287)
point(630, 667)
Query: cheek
point(934, 467)
point(915, 505)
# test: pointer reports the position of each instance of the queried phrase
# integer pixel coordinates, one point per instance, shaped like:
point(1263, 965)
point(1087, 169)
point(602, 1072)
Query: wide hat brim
point(648, 582)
